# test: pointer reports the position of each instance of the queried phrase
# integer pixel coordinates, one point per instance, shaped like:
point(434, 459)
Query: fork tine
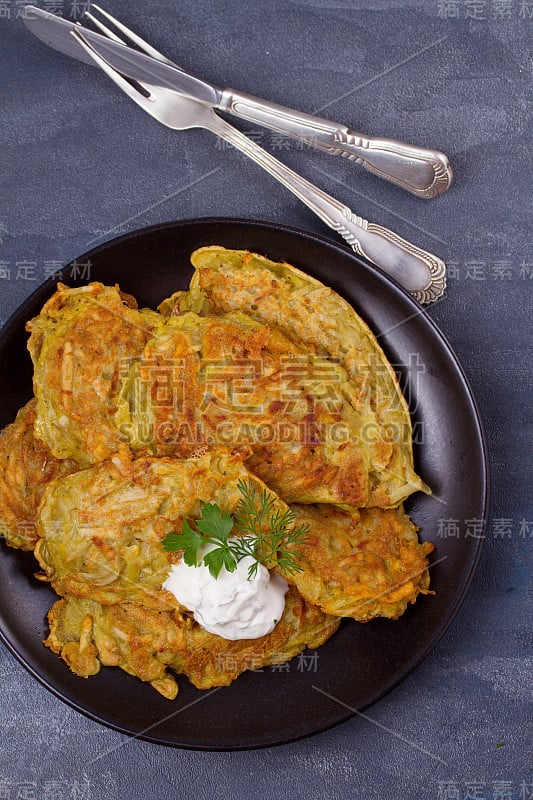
point(101, 27)
point(142, 101)
point(110, 35)
point(147, 48)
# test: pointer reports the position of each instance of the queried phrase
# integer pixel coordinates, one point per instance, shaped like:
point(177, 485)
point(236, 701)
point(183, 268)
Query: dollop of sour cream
point(231, 606)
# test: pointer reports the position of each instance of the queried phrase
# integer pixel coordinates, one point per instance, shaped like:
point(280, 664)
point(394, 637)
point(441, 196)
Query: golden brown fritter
point(141, 641)
point(80, 343)
point(361, 564)
point(209, 660)
point(102, 530)
point(231, 380)
point(312, 314)
point(26, 467)
point(144, 642)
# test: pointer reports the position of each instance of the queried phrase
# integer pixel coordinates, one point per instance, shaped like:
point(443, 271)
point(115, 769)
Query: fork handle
point(425, 173)
point(421, 273)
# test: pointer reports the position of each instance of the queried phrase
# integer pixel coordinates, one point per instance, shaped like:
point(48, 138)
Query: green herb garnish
point(264, 533)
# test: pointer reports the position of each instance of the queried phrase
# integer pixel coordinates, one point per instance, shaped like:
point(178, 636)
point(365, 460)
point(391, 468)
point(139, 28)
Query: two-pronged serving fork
point(421, 273)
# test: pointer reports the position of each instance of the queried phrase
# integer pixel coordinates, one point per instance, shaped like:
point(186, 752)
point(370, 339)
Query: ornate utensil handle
point(425, 173)
point(400, 258)
point(421, 273)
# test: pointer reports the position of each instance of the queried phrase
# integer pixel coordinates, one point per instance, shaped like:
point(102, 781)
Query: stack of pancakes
point(258, 372)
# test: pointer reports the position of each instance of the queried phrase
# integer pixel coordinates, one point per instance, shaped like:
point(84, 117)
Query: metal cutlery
point(423, 172)
point(420, 272)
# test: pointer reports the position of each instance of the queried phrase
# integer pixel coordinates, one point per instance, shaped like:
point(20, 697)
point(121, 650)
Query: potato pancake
point(101, 530)
point(362, 564)
point(80, 343)
point(141, 641)
point(204, 381)
point(312, 314)
point(26, 467)
point(209, 660)
point(145, 642)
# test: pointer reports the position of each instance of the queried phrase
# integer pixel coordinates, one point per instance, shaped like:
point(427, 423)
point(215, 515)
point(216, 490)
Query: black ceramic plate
point(361, 662)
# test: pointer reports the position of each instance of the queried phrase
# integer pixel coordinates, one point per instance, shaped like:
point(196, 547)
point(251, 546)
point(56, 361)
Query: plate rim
point(20, 315)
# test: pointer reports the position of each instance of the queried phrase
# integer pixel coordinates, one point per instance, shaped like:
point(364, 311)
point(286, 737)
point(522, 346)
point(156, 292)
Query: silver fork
point(420, 272)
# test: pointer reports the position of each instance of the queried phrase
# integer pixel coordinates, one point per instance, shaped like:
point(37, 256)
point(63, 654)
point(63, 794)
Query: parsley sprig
point(265, 533)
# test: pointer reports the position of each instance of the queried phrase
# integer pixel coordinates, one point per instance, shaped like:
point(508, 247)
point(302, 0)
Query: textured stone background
point(81, 164)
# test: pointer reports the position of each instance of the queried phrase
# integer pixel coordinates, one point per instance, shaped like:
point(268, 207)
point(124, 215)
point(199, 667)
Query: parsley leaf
point(189, 541)
point(218, 558)
point(213, 523)
point(171, 542)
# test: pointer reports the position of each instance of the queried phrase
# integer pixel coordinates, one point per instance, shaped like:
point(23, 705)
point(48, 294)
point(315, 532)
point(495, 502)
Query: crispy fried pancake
point(80, 342)
point(102, 530)
point(306, 311)
point(360, 564)
point(209, 660)
point(26, 467)
point(232, 380)
point(145, 642)
point(141, 641)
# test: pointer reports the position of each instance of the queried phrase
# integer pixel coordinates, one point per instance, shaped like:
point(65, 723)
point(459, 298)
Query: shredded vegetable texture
point(263, 532)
